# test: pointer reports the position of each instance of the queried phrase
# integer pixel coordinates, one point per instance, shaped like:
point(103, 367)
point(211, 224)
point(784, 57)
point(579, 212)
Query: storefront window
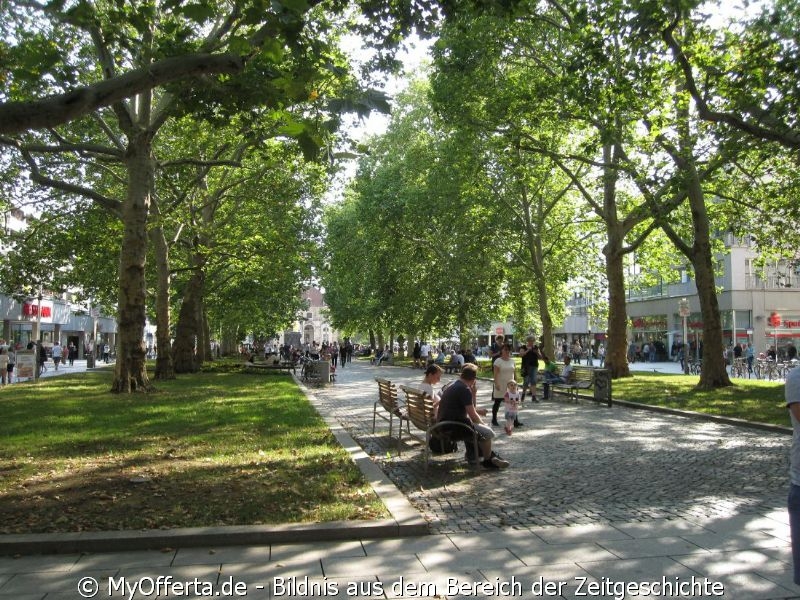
point(781, 331)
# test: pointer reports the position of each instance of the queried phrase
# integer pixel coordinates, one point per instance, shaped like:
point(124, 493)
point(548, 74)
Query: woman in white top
point(505, 370)
point(433, 375)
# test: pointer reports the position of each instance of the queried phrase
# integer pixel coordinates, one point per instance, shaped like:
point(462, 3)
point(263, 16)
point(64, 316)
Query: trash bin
point(324, 370)
point(90, 361)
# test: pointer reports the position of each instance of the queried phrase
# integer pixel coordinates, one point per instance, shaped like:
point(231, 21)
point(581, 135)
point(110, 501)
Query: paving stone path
point(574, 464)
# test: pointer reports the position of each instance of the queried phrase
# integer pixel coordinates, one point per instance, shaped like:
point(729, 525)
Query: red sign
point(775, 320)
point(32, 310)
point(648, 323)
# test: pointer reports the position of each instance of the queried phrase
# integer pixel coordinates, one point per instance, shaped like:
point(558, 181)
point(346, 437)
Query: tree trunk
point(714, 372)
point(617, 340)
point(229, 344)
point(547, 321)
point(164, 365)
point(187, 328)
point(206, 354)
point(130, 373)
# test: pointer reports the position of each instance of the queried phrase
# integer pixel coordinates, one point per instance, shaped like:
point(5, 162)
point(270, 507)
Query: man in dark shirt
point(458, 404)
point(494, 349)
point(530, 367)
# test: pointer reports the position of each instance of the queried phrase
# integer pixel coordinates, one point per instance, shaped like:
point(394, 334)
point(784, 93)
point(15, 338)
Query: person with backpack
point(458, 404)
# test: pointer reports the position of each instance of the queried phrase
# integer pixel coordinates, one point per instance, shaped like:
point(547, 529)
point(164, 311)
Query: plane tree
point(63, 52)
point(427, 256)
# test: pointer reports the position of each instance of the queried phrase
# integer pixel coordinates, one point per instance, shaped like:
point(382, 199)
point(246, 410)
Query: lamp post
point(684, 311)
point(590, 344)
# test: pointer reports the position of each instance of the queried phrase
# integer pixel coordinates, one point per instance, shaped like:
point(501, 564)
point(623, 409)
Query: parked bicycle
point(739, 368)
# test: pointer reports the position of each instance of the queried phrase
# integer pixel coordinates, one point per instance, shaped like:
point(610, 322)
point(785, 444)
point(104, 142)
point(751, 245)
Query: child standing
point(511, 401)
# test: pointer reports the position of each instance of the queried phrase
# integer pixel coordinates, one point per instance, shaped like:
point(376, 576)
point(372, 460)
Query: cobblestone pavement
point(574, 464)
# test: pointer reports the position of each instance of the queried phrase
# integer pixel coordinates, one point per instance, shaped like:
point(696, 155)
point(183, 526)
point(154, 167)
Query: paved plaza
point(598, 503)
point(574, 464)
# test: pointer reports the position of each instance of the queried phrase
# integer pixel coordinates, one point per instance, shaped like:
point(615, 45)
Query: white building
point(47, 317)
point(312, 323)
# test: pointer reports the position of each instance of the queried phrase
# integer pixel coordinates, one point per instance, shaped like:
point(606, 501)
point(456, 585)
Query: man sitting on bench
point(551, 377)
point(458, 404)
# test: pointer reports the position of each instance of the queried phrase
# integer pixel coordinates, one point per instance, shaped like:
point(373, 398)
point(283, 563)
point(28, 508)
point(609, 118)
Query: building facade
point(312, 323)
point(761, 307)
point(48, 319)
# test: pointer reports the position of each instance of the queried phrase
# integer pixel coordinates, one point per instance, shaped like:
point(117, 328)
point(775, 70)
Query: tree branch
point(787, 137)
point(17, 117)
point(113, 206)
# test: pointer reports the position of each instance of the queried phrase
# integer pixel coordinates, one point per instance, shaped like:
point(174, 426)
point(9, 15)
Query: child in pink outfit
point(511, 401)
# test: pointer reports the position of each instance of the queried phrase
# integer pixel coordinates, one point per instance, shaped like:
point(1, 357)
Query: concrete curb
point(405, 521)
point(118, 541)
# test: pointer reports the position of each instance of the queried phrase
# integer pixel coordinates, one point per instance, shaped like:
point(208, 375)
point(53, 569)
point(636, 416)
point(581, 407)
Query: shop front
point(650, 330)
point(737, 327)
point(28, 320)
point(781, 332)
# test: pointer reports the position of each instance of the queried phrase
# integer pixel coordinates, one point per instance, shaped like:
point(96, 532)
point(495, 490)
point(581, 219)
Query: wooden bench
point(582, 379)
point(387, 399)
point(420, 413)
point(263, 367)
point(449, 367)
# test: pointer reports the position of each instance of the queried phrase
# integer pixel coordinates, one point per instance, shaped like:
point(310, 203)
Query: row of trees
point(191, 135)
point(557, 135)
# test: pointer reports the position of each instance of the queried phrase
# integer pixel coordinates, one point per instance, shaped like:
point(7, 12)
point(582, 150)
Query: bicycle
point(769, 370)
point(739, 368)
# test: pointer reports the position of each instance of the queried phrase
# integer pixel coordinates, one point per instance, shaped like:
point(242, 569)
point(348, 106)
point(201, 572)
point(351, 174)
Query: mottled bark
point(164, 365)
point(188, 325)
point(130, 373)
point(205, 343)
point(714, 373)
point(616, 342)
point(547, 320)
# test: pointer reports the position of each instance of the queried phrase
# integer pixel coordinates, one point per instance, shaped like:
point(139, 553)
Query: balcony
point(772, 282)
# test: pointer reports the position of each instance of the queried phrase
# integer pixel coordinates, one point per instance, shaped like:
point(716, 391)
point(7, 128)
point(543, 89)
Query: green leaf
point(199, 13)
point(292, 128)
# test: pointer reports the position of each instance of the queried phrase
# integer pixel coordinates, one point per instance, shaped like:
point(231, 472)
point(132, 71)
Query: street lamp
point(684, 311)
point(590, 344)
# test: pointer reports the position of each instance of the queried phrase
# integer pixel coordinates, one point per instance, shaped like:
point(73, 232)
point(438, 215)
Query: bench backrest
point(581, 374)
point(419, 407)
point(387, 394)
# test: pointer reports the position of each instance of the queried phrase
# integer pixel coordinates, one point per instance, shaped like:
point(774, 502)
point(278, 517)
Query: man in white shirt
point(57, 352)
point(425, 353)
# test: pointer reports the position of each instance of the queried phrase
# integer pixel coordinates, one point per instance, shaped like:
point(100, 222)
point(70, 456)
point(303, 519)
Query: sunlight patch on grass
point(751, 400)
point(207, 449)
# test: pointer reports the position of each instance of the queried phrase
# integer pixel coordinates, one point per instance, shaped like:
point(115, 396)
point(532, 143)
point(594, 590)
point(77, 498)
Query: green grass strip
point(214, 448)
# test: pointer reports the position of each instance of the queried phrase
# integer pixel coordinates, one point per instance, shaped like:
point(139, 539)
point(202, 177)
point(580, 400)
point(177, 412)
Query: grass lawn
point(210, 449)
point(749, 399)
